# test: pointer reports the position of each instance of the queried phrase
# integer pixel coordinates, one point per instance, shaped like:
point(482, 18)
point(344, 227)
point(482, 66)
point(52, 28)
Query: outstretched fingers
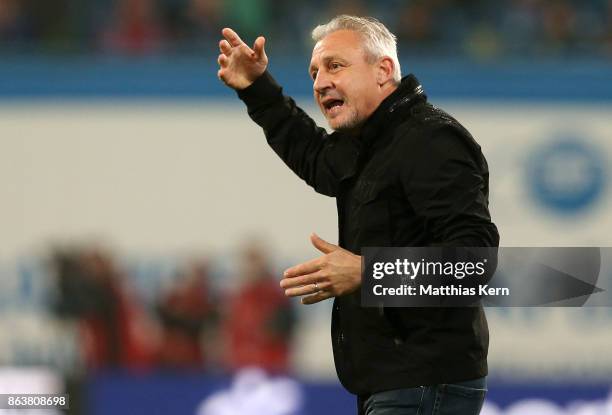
point(232, 37)
point(259, 48)
point(223, 60)
point(312, 288)
point(225, 47)
point(304, 268)
point(316, 297)
point(322, 245)
point(239, 65)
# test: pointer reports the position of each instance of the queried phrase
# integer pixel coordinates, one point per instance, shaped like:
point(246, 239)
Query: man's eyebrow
point(326, 60)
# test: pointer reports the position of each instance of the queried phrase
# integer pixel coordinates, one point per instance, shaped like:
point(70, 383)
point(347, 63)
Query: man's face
point(345, 83)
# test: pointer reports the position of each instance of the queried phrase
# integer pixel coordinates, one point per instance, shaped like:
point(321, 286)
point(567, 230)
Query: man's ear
point(385, 70)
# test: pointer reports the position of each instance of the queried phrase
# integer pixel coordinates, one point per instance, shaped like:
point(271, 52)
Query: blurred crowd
point(472, 28)
point(189, 325)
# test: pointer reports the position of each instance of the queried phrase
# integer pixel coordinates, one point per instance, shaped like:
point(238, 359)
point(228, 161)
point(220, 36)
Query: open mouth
point(333, 105)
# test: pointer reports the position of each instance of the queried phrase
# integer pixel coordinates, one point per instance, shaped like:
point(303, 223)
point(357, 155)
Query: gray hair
point(378, 41)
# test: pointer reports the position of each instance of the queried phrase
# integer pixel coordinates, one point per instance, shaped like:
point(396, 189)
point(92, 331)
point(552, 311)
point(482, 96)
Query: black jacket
point(413, 177)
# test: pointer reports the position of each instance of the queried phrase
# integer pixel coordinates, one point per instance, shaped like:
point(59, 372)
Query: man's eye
point(313, 75)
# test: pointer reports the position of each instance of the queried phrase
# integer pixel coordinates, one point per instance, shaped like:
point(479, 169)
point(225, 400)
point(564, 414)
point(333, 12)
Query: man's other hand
point(336, 273)
point(239, 65)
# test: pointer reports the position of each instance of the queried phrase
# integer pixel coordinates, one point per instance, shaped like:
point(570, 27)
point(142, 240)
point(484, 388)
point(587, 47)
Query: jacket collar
point(405, 96)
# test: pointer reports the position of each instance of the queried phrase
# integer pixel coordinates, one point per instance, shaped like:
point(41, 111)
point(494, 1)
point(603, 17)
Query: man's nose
point(322, 82)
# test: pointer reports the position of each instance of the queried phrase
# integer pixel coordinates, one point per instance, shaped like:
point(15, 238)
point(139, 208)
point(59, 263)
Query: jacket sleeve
point(306, 148)
point(446, 181)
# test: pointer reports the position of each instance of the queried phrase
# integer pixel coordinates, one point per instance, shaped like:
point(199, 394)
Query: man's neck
point(388, 89)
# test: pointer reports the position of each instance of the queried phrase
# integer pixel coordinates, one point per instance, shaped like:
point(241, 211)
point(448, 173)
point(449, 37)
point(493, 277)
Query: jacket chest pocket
point(371, 213)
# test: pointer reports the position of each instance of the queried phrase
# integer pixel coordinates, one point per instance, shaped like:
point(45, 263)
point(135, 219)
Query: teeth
point(335, 103)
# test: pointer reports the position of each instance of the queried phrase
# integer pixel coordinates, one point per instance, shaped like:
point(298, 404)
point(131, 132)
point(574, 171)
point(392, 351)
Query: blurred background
point(144, 223)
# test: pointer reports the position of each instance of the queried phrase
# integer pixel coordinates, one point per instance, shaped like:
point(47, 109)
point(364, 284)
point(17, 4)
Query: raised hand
point(336, 273)
point(239, 65)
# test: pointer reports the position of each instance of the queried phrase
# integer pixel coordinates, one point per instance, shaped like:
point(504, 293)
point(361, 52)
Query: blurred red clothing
point(257, 327)
point(118, 338)
point(184, 313)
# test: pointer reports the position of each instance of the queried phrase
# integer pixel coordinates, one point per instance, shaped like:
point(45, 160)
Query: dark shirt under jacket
point(412, 177)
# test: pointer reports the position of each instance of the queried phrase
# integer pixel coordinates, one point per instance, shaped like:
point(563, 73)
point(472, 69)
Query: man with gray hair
point(403, 173)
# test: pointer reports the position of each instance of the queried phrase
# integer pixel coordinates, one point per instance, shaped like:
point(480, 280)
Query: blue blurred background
point(145, 224)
